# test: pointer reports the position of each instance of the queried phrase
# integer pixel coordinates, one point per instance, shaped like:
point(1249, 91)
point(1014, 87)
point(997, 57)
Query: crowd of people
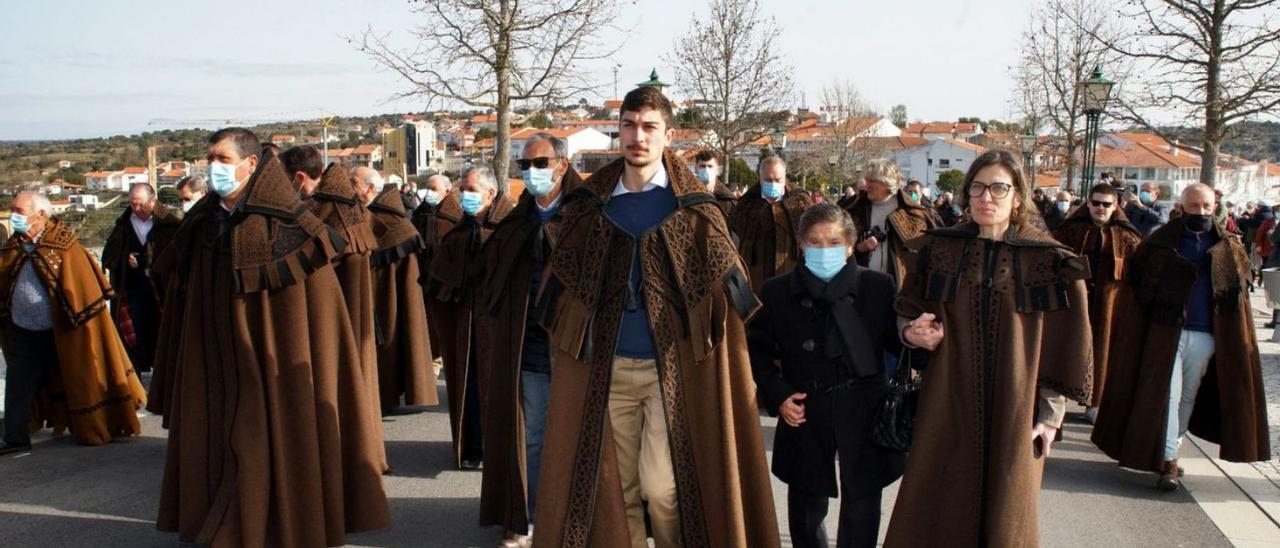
point(607, 342)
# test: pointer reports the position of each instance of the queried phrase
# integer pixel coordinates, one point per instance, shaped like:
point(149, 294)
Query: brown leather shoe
point(1169, 474)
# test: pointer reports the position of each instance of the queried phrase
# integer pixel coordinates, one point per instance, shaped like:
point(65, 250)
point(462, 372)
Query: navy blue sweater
point(637, 213)
point(1194, 247)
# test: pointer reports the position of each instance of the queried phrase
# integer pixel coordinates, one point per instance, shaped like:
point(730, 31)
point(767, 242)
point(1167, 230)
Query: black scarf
point(848, 342)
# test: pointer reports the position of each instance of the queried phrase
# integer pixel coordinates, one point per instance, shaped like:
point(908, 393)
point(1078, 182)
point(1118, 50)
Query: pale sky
point(81, 68)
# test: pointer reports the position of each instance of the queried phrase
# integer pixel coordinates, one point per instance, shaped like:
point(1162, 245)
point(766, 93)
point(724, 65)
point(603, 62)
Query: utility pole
point(615, 80)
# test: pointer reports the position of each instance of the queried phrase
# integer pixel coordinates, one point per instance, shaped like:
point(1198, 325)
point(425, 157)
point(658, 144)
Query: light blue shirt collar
point(659, 180)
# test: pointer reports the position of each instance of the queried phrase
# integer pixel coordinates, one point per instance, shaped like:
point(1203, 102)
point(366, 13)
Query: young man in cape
point(651, 394)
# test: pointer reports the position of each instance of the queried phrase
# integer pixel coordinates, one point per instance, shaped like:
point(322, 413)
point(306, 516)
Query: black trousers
point(28, 355)
point(859, 520)
point(472, 436)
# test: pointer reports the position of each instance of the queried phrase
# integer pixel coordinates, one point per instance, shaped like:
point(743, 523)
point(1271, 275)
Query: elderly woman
point(1001, 307)
point(828, 325)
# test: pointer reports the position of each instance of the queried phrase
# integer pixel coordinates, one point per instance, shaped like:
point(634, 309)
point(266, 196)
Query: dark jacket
point(797, 329)
point(909, 221)
point(1147, 219)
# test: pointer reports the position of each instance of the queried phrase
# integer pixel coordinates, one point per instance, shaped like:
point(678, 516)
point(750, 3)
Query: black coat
point(792, 329)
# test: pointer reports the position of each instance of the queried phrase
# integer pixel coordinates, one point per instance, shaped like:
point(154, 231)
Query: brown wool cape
point(115, 257)
point(502, 307)
point(697, 296)
point(906, 223)
point(97, 399)
point(1230, 408)
point(405, 370)
point(972, 477)
point(433, 222)
point(269, 437)
point(1118, 240)
point(456, 271)
point(334, 202)
point(767, 232)
point(725, 198)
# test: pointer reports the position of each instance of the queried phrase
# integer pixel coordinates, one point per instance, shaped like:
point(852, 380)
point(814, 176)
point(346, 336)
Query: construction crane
point(326, 121)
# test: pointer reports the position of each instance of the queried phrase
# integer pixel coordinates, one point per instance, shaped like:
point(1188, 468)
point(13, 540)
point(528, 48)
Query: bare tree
point(1211, 62)
point(840, 147)
point(1064, 42)
point(731, 61)
point(494, 54)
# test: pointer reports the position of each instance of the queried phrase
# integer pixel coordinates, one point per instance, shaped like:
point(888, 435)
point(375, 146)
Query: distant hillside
point(1255, 141)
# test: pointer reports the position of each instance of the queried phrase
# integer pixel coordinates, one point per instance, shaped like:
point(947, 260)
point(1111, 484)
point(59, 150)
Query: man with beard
point(328, 194)
point(651, 396)
point(1191, 359)
point(708, 167)
point(139, 236)
point(887, 218)
point(64, 358)
point(513, 350)
point(765, 222)
point(453, 277)
point(400, 314)
point(267, 437)
point(1101, 234)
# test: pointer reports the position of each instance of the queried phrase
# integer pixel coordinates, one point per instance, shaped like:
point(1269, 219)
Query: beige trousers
point(644, 452)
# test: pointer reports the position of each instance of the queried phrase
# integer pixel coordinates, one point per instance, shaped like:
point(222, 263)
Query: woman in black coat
point(817, 351)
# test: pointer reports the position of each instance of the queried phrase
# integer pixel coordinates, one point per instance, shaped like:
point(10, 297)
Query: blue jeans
point(1195, 349)
point(536, 386)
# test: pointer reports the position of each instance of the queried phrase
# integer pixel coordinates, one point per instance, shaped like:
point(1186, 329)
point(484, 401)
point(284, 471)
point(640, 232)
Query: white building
point(575, 140)
point(925, 162)
point(1139, 158)
point(83, 202)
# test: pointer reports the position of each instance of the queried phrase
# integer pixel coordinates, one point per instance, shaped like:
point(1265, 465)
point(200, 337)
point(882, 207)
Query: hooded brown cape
point(1015, 319)
point(1114, 242)
point(334, 202)
point(1230, 407)
point(433, 222)
point(404, 347)
point(725, 198)
point(269, 437)
point(697, 296)
point(502, 307)
point(115, 257)
point(906, 223)
point(766, 231)
point(95, 391)
point(455, 273)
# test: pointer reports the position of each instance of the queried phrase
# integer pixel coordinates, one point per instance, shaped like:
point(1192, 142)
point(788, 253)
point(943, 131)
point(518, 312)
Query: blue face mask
point(538, 181)
point(1145, 196)
point(825, 262)
point(471, 203)
point(915, 197)
point(772, 191)
point(19, 223)
point(1064, 206)
point(222, 177)
point(431, 197)
point(705, 175)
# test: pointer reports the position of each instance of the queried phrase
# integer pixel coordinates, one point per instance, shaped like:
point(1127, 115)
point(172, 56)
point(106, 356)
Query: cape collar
point(335, 185)
point(388, 201)
point(681, 182)
point(1021, 235)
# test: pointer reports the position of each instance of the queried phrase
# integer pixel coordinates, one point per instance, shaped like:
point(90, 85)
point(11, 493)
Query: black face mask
point(1199, 223)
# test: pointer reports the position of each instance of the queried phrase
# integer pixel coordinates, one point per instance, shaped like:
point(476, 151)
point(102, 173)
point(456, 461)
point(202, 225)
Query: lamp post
point(832, 160)
point(1097, 90)
point(1029, 156)
point(778, 139)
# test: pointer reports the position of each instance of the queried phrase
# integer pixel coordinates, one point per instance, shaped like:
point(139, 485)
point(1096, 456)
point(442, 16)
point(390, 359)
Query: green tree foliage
point(740, 173)
point(485, 133)
point(540, 121)
point(899, 115)
point(67, 174)
point(168, 196)
point(951, 180)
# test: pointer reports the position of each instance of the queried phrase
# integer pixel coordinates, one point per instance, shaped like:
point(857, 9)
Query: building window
point(944, 164)
point(1148, 173)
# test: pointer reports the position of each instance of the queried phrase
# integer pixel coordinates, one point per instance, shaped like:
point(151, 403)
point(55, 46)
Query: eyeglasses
point(1103, 205)
point(998, 190)
point(540, 162)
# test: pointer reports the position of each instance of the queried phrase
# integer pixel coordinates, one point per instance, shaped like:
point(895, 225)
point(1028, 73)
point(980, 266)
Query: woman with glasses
point(1101, 233)
point(1001, 308)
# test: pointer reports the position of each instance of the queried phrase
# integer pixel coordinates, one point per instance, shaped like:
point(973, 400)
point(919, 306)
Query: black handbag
point(895, 419)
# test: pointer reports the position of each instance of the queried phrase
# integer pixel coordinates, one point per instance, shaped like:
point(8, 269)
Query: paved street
point(62, 495)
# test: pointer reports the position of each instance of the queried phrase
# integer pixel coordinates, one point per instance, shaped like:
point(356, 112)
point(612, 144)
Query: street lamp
point(1029, 156)
point(1097, 90)
point(832, 160)
point(779, 141)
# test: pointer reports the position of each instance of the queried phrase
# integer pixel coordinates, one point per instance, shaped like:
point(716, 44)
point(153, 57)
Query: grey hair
point(775, 159)
point(198, 182)
point(151, 191)
point(41, 202)
point(374, 179)
point(827, 213)
point(485, 176)
point(443, 178)
point(557, 144)
point(884, 171)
